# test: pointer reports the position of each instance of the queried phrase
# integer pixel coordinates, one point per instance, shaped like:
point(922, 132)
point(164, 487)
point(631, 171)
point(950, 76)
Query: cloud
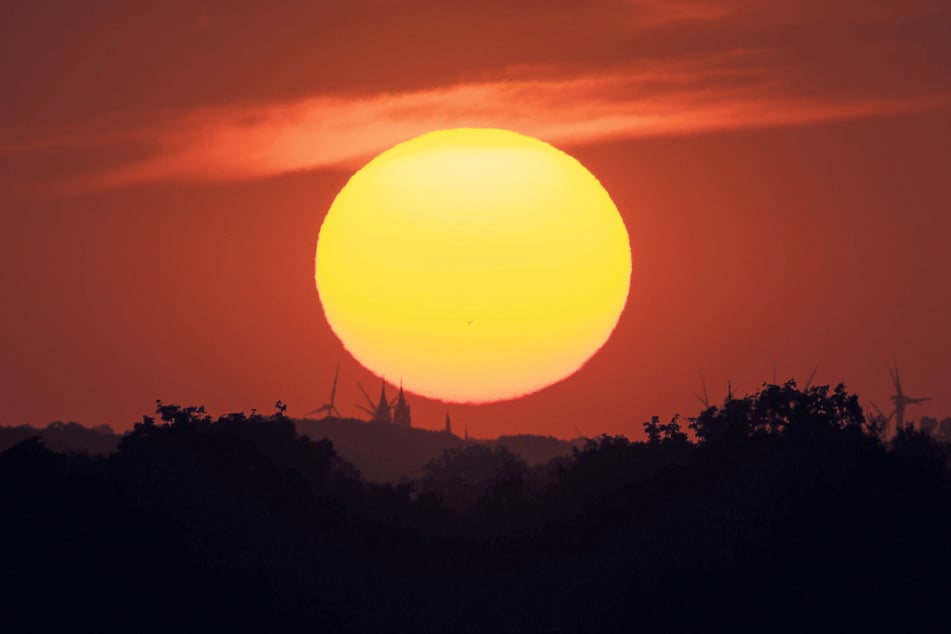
point(255, 93)
point(665, 98)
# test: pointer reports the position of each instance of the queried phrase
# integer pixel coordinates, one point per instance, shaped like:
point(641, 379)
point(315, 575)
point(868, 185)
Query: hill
point(64, 437)
point(382, 453)
point(390, 453)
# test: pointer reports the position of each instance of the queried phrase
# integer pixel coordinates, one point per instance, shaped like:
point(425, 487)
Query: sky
point(781, 168)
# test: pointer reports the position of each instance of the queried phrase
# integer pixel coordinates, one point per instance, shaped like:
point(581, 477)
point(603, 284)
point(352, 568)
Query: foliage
point(475, 476)
point(781, 409)
point(787, 511)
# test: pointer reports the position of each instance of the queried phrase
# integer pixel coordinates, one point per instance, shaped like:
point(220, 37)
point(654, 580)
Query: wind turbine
point(808, 383)
point(704, 400)
point(371, 410)
point(379, 412)
point(900, 399)
point(886, 420)
point(330, 408)
point(811, 377)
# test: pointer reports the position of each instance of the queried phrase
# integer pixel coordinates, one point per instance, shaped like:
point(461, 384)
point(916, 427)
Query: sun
point(473, 265)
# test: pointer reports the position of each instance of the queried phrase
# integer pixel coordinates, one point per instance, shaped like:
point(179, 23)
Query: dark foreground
point(786, 515)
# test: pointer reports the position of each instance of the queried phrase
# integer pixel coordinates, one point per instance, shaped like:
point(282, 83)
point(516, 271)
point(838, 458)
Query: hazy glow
point(473, 264)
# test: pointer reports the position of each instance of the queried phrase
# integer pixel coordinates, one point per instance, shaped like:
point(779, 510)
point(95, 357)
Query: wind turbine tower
point(330, 408)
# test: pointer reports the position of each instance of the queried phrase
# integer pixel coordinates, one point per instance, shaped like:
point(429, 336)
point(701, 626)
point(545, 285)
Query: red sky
point(782, 168)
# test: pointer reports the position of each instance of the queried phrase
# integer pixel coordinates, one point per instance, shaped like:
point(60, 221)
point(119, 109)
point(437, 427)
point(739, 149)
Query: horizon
point(869, 409)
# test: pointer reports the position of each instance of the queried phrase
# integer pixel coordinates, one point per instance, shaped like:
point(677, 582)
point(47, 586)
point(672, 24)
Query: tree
point(782, 409)
point(462, 476)
point(670, 432)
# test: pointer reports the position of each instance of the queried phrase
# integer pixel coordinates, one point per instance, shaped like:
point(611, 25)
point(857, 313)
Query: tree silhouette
point(787, 513)
point(781, 409)
point(462, 476)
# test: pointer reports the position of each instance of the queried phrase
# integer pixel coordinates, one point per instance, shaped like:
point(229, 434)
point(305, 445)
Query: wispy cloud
point(569, 72)
point(258, 140)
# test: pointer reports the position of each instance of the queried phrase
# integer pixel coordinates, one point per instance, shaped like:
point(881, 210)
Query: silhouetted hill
point(64, 437)
point(389, 453)
point(537, 450)
point(380, 452)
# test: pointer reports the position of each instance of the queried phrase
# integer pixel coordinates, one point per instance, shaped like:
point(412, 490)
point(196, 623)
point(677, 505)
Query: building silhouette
point(382, 412)
point(401, 415)
point(386, 412)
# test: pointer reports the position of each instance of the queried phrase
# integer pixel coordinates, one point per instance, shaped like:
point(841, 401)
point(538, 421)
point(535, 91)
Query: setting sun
point(473, 265)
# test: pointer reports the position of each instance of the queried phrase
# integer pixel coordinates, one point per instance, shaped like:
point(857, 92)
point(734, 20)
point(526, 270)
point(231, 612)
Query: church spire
point(448, 429)
point(382, 414)
point(401, 414)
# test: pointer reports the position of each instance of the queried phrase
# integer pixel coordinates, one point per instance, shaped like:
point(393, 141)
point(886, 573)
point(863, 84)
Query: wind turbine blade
point(333, 390)
point(704, 400)
point(811, 377)
point(896, 378)
point(366, 396)
point(880, 413)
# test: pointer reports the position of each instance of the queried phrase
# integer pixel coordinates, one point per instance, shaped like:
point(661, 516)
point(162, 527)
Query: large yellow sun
point(473, 264)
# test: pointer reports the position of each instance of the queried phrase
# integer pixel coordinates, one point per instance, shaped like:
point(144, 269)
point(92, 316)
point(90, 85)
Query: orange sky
point(781, 168)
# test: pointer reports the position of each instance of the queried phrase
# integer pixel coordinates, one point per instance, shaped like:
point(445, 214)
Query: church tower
point(382, 413)
point(401, 411)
